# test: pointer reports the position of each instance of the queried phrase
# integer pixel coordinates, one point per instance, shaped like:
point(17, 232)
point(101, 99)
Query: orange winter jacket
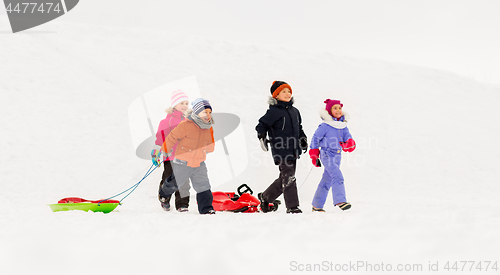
point(193, 145)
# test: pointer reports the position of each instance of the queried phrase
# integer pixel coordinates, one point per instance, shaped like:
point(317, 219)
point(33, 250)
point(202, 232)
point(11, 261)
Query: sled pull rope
point(310, 170)
point(145, 176)
point(133, 187)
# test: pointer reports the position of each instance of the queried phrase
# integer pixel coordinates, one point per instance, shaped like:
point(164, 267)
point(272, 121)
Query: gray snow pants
point(199, 180)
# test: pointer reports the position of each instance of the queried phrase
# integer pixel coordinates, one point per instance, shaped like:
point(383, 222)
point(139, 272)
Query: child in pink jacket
point(179, 102)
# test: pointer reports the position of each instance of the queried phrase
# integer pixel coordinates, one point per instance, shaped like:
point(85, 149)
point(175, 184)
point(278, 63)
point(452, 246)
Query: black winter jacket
point(283, 124)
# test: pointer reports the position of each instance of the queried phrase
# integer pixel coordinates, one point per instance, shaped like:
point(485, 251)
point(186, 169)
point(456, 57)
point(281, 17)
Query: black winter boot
point(293, 210)
point(205, 200)
point(165, 206)
point(264, 205)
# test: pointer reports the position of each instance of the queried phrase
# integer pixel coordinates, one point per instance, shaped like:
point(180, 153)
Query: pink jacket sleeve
point(163, 131)
point(165, 128)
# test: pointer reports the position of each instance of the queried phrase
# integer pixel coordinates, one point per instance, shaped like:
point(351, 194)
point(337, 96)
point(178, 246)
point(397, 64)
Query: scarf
point(202, 124)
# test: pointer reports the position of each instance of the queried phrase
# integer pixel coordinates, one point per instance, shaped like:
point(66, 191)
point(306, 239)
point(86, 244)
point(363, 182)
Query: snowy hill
point(423, 181)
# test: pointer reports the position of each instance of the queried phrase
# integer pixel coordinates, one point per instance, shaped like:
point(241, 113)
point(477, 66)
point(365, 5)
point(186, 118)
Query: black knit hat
point(278, 86)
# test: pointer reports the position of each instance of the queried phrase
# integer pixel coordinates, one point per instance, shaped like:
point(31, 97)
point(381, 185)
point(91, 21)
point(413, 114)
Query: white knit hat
point(177, 97)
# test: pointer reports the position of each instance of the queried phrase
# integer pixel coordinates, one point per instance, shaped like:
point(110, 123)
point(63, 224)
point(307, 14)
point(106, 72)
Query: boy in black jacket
point(283, 124)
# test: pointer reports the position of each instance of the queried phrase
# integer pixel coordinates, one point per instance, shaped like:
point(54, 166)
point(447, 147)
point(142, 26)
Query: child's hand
point(349, 145)
point(158, 157)
point(263, 144)
point(155, 157)
point(263, 141)
point(314, 154)
point(303, 144)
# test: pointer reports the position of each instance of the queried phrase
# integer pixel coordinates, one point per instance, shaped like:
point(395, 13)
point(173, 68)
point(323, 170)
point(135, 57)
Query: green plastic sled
point(68, 204)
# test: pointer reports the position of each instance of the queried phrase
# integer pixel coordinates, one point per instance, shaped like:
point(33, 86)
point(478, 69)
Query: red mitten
point(349, 145)
point(314, 154)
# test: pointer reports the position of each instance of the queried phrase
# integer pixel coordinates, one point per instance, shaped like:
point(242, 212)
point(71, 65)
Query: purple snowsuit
point(327, 138)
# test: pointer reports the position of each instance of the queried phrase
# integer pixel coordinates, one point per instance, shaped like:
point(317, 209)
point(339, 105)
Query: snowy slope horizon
point(423, 180)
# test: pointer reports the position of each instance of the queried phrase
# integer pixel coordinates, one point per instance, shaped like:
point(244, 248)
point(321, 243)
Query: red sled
point(80, 200)
point(244, 202)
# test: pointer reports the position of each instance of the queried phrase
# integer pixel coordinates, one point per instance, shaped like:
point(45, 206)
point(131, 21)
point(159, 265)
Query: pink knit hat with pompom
point(330, 103)
point(177, 97)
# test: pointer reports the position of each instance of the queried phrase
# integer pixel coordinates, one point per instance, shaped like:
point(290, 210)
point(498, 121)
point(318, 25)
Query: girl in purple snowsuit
point(330, 138)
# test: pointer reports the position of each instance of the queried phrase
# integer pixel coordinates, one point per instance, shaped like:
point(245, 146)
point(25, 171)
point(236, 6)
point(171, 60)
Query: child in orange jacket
point(195, 139)
point(176, 114)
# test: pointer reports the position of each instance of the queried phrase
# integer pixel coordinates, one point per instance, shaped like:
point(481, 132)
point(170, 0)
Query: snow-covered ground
point(423, 181)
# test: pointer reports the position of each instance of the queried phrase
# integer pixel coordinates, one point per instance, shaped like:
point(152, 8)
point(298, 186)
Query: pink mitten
point(349, 145)
point(314, 154)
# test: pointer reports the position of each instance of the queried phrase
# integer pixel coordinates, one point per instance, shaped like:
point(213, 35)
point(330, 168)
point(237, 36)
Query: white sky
point(455, 35)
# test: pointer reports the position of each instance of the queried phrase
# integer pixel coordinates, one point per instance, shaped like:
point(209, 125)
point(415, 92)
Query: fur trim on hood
point(274, 101)
point(170, 110)
point(328, 119)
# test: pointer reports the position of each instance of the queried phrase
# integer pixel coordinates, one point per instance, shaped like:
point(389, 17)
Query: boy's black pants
point(285, 184)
